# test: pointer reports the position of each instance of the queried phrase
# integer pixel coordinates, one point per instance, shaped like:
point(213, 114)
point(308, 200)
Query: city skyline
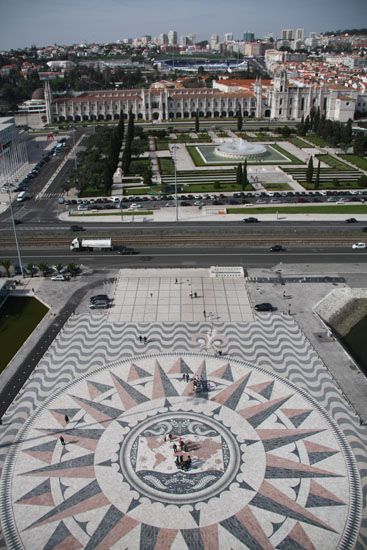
point(24, 23)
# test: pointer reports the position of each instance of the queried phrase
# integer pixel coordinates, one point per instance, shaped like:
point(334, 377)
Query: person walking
point(145, 339)
point(66, 419)
point(140, 338)
point(62, 440)
point(204, 313)
point(195, 294)
point(175, 448)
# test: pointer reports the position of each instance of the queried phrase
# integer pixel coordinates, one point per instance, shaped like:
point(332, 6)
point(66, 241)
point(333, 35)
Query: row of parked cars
point(22, 186)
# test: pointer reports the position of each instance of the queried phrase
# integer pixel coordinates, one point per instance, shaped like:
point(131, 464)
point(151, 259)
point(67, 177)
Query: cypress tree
point(317, 179)
point(197, 122)
point(309, 171)
point(244, 175)
point(239, 175)
point(307, 124)
point(239, 120)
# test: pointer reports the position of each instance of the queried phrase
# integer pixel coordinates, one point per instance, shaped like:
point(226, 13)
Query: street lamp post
point(174, 147)
point(15, 235)
point(75, 159)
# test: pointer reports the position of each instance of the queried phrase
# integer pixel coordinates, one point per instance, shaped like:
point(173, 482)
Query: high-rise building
point(214, 41)
point(287, 34)
point(192, 38)
point(162, 39)
point(172, 38)
point(248, 37)
point(146, 39)
point(228, 37)
point(184, 40)
point(300, 34)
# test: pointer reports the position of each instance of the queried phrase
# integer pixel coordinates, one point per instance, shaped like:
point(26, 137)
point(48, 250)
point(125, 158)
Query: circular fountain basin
point(239, 149)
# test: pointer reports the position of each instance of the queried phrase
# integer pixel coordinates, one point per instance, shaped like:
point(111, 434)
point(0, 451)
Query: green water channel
point(18, 318)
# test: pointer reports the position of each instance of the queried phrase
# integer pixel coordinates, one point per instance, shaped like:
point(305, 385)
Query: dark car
point(264, 307)
point(17, 222)
point(277, 248)
point(77, 228)
point(250, 220)
point(185, 203)
point(99, 298)
point(351, 220)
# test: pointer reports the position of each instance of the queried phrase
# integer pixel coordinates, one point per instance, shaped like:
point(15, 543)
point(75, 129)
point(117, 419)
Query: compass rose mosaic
point(134, 455)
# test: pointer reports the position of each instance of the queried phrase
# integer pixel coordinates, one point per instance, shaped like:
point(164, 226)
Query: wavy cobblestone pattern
point(274, 343)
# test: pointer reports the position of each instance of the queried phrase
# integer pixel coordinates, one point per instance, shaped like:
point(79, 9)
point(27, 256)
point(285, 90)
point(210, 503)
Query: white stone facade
point(281, 101)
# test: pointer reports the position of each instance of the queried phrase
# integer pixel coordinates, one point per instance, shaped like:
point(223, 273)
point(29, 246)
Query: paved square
point(268, 468)
point(184, 295)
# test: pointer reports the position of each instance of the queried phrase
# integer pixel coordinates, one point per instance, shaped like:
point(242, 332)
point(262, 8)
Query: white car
point(134, 205)
point(59, 277)
point(357, 246)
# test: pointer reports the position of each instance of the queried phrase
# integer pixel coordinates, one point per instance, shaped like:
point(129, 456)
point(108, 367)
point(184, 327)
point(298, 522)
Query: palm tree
point(43, 267)
point(58, 267)
point(6, 265)
point(72, 268)
point(30, 268)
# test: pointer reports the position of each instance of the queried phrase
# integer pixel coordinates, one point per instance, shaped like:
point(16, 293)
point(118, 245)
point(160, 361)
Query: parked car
point(99, 298)
point(59, 277)
point(357, 246)
point(250, 220)
point(264, 307)
point(99, 305)
point(277, 248)
point(351, 220)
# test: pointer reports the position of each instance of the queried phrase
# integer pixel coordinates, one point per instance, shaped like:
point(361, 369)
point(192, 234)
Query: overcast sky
point(42, 22)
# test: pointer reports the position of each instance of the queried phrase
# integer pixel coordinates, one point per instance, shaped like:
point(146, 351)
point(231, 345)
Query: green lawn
point(196, 157)
point(322, 209)
point(161, 144)
point(277, 186)
point(360, 162)
point(338, 185)
point(139, 166)
point(18, 318)
point(166, 166)
point(334, 162)
point(137, 190)
point(316, 140)
point(298, 142)
point(211, 188)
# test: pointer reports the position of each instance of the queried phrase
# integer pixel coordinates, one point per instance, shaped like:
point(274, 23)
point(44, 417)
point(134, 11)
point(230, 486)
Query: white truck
point(91, 245)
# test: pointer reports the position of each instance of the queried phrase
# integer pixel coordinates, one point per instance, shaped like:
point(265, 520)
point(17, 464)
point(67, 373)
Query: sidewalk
point(210, 213)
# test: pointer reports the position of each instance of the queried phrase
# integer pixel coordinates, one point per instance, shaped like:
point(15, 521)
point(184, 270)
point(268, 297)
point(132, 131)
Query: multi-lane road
point(245, 244)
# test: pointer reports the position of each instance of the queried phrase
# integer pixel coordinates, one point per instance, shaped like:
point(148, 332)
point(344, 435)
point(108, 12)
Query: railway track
point(190, 240)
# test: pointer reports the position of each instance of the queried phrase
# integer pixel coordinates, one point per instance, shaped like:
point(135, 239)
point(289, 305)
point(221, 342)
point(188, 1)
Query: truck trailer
point(91, 245)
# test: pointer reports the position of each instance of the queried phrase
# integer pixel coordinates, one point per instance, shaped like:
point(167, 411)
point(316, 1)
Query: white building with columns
point(278, 99)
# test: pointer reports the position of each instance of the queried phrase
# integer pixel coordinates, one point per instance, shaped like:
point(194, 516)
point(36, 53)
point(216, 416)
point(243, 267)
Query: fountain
point(239, 149)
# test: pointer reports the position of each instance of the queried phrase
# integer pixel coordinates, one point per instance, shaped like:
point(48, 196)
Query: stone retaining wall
point(343, 308)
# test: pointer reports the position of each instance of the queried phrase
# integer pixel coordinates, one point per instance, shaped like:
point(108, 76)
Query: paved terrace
point(270, 468)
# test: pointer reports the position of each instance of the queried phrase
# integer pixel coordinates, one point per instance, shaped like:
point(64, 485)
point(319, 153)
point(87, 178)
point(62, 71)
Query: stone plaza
point(275, 450)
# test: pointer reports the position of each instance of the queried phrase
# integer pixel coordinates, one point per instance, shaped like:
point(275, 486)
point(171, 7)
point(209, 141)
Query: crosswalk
point(45, 196)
